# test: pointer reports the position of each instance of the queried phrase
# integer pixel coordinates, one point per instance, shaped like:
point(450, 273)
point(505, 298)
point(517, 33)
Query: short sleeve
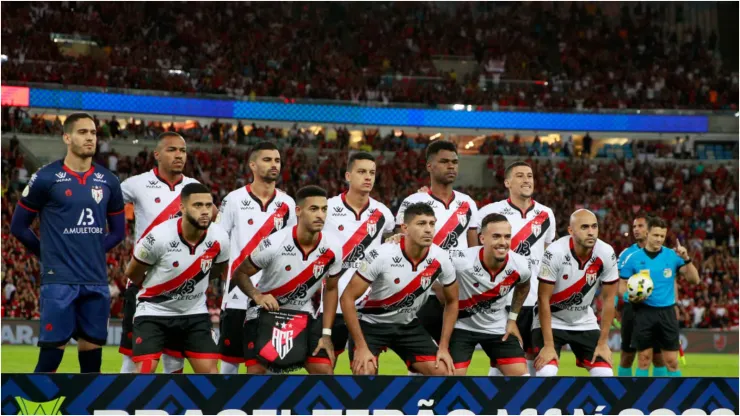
point(149, 249)
point(550, 234)
point(610, 273)
point(399, 216)
point(678, 260)
point(115, 203)
point(390, 225)
point(36, 193)
point(223, 255)
point(225, 217)
point(474, 216)
point(264, 254)
point(628, 268)
point(551, 267)
point(292, 219)
point(526, 272)
point(622, 258)
point(127, 189)
point(448, 276)
point(336, 266)
point(370, 267)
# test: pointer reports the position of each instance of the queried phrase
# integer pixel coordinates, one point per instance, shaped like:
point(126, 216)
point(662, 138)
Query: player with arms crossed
point(173, 264)
point(400, 277)
point(456, 215)
point(572, 269)
point(655, 320)
point(75, 198)
point(249, 215)
point(360, 222)
point(533, 229)
point(294, 262)
point(156, 198)
point(486, 275)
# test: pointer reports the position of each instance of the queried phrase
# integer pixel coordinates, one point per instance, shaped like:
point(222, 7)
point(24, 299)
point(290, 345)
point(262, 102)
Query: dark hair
point(193, 188)
point(509, 168)
point(73, 118)
point(308, 192)
point(359, 156)
point(656, 222)
point(414, 210)
point(436, 147)
point(492, 219)
point(262, 146)
point(642, 215)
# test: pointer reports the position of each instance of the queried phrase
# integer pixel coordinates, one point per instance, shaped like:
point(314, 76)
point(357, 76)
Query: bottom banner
point(215, 394)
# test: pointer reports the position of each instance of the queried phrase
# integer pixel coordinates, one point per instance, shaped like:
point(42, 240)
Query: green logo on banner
point(28, 407)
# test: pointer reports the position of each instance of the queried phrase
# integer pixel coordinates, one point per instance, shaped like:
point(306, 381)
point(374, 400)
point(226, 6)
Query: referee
point(655, 319)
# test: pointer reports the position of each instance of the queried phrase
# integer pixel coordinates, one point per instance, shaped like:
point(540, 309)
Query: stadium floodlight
point(458, 107)
point(3, 58)
point(435, 137)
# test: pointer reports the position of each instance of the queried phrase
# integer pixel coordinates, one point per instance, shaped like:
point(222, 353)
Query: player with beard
point(360, 223)
point(456, 217)
point(573, 268)
point(75, 200)
point(533, 229)
point(173, 264)
point(249, 215)
point(156, 198)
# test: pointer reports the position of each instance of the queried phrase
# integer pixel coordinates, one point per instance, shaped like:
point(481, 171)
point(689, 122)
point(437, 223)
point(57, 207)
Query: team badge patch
point(318, 269)
point(97, 193)
point(462, 219)
point(372, 227)
point(205, 265)
point(503, 290)
point(536, 228)
point(590, 278)
point(667, 273)
point(278, 221)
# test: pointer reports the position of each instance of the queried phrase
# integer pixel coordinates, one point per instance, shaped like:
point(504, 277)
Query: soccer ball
point(639, 287)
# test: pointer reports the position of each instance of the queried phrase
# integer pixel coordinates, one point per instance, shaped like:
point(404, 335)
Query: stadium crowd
point(699, 202)
point(533, 55)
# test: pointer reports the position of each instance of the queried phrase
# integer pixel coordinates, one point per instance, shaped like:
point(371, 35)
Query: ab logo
point(27, 407)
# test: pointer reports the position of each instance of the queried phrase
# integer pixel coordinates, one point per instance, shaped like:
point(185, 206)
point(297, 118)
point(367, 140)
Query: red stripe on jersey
point(452, 223)
point(360, 234)
point(298, 324)
point(577, 286)
point(526, 230)
point(81, 179)
point(492, 293)
point(186, 275)
point(304, 276)
point(263, 232)
point(409, 289)
point(170, 210)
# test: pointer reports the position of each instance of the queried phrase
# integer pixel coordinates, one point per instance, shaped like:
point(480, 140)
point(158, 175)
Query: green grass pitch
point(22, 359)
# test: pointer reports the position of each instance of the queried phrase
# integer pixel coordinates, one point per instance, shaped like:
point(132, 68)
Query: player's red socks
point(147, 366)
point(49, 360)
point(91, 360)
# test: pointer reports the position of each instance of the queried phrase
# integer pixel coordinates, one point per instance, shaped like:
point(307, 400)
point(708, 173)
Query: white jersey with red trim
point(399, 286)
point(291, 275)
point(177, 279)
point(576, 282)
point(483, 291)
point(155, 200)
point(530, 232)
point(358, 232)
point(454, 217)
point(248, 222)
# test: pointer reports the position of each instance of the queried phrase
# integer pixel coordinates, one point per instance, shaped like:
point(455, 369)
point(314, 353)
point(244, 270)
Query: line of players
point(430, 293)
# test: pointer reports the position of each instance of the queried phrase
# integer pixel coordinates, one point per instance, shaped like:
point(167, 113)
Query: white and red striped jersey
point(177, 279)
point(454, 217)
point(399, 286)
point(483, 291)
point(155, 200)
point(248, 222)
point(358, 232)
point(576, 282)
point(530, 232)
point(291, 275)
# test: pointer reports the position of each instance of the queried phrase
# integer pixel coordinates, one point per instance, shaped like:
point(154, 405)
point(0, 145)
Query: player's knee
point(627, 359)
point(548, 371)
point(644, 358)
point(658, 360)
point(324, 369)
point(601, 372)
point(256, 369)
point(671, 363)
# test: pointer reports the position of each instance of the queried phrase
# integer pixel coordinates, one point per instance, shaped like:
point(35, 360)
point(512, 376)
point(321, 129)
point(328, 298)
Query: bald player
point(573, 268)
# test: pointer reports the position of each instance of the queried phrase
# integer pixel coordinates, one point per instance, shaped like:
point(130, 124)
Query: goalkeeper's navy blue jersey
point(73, 209)
point(662, 268)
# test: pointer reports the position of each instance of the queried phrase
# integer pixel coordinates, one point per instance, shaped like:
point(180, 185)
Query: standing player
point(361, 223)
point(572, 269)
point(400, 278)
point(655, 320)
point(456, 218)
point(76, 198)
point(294, 262)
point(487, 274)
point(249, 214)
point(156, 198)
point(173, 264)
point(533, 229)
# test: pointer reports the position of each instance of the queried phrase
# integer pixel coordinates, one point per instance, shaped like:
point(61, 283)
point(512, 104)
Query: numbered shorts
point(463, 343)
point(231, 341)
point(191, 334)
point(655, 327)
point(628, 326)
point(583, 344)
point(315, 327)
point(410, 341)
point(73, 311)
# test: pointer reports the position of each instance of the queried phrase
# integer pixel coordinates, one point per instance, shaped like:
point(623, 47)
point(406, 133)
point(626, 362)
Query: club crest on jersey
point(97, 193)
point(462, 219)
point(591, 278)
point(503, 290)
point(426, 280)
point(536, 228)
point(278, 221)
point(282, 341)
point(318, 269)
point(205, 265)
point(372, 227)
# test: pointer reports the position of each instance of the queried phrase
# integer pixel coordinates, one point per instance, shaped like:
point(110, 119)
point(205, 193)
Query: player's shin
point(172, 365)
point(49, 360)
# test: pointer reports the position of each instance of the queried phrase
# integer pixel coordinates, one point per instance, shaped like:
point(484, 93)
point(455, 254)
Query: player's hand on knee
point(364, 362)
point(547, 354)
point(444, 358)
point(267, 302)
point(513, 330)
point(603, 351)
point(325, 344)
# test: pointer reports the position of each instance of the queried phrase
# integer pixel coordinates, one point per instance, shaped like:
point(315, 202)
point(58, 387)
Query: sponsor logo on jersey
point(174, 247)
point(322, 250)
point(99, 177)
point(62, 177)
point(153, 185)
point(567, 258)
point(246, 204)
point(339, 212)
point(97, 194)
point(397, 261)
point(507, 211)
point(477, 269)
point(289, 249)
